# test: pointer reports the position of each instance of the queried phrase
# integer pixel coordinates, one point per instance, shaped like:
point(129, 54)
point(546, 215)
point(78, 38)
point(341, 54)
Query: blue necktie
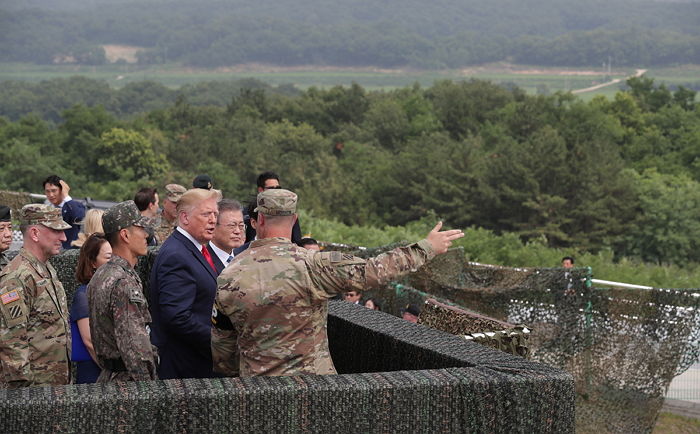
point(230, 258)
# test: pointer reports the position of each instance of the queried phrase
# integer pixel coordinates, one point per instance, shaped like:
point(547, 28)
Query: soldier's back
point(279, 312)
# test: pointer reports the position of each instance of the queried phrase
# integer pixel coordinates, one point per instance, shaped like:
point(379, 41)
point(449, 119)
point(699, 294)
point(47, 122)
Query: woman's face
point(369, 304)
point(103, 255)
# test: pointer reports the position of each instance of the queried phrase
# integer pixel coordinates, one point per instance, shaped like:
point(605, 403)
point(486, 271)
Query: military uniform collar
point(121, 262)
point(40, 267)
point(268, 241)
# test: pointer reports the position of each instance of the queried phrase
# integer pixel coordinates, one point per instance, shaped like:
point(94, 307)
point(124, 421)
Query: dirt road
point(609, 83)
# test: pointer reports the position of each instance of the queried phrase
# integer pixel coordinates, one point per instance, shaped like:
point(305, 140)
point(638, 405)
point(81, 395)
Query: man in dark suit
point(268, 181)
point(183, 287)
point(229, 233)
point(250, 217)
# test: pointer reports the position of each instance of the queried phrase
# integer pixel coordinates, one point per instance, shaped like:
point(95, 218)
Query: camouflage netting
point(15, 200)
point(396, 377)
point(622, 346)
point(484, 330)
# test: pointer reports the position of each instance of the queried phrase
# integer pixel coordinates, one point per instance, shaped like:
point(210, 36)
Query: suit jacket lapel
point(197, 254)
point(217, 262)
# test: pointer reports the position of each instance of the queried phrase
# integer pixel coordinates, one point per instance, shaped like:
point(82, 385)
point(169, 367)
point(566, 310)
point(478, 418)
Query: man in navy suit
point(183, 287)
point(229, 233)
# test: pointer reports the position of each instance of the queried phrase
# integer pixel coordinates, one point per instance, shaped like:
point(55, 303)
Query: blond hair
point(92, 223)
point(191, 198)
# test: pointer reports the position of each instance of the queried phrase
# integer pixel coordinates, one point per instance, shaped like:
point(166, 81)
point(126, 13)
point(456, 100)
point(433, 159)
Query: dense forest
point(393, 33)
point(618, 175)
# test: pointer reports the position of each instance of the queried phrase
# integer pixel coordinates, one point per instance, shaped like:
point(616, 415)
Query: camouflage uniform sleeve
point(224, 340)
point(133, 342)
point(14, 347)
point(341, 272)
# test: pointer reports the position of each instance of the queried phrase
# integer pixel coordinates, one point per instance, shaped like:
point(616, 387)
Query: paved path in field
point(609, 83)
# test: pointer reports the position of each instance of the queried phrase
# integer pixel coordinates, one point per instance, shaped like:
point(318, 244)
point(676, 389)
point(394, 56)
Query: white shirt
point(60, 205)
point(223, 256)
point(189, 237)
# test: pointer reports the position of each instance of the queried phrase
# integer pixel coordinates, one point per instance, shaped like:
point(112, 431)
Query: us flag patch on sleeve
point(9, 297)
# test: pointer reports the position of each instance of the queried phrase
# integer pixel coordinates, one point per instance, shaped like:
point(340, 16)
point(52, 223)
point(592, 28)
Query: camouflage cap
point(123, 215)
point(277, 201)
point(174, 192)
point(40, 214)
point(5, 215)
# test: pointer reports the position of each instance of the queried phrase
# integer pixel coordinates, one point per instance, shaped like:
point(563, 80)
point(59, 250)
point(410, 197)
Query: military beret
point(123, 215)
point(5, 215)
point(277, 201)
point(174, 192)
point(202, 181)
point(40, 214)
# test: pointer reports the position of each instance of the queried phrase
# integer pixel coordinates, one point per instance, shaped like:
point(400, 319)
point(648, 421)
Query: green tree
point(666, 229)
point(127, 150)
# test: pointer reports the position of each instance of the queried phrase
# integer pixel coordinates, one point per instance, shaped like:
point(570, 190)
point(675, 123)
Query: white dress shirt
point(187, 235)
point(223, 256)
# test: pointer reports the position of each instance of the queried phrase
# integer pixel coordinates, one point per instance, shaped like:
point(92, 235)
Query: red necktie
point(207, 256)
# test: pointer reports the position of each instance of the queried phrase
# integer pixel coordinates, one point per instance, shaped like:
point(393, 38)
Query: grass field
point(532, 79)
point(669, 423)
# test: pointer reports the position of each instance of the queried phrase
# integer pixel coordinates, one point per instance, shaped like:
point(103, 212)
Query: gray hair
point(229, 205)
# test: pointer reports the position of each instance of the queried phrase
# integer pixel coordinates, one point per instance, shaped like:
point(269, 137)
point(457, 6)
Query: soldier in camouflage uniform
point(273, 298)
point(168, 219)
point(34, 330)
point(5, 234)
point(119, 317)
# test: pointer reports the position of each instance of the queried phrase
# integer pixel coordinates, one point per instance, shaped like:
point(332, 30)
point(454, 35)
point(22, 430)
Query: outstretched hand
point(442, 240)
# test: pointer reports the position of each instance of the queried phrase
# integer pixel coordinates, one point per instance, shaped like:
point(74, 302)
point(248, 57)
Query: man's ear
point(124, 235)
point(34, 233)
point(183, 218)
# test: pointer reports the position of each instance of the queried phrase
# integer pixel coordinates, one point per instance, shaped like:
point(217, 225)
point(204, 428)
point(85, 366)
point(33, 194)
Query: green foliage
point(51, 98)
point(452, 33)
point(547, 173)
point(666, 227)
point(484, 246)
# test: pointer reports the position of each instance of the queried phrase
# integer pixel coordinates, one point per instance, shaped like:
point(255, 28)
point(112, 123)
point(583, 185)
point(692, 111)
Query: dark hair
point(227, 205)
point(53, 180)
point(145, 197)
point(377, 306)
point(265, 176)
point(88, 255)
point(306, 241)
point(251, 210)
point(569, 258)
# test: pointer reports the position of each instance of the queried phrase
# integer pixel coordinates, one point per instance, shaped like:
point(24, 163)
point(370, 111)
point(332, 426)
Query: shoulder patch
point(9, 297)
point(220, 321)
point(14, 311)
point(336, 256)
point(335, 259)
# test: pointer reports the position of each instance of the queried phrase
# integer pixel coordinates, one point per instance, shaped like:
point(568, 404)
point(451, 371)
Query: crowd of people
point(234, 290)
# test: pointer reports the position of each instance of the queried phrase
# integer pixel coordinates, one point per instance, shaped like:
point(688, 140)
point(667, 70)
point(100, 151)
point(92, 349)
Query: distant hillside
point(441, 33)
